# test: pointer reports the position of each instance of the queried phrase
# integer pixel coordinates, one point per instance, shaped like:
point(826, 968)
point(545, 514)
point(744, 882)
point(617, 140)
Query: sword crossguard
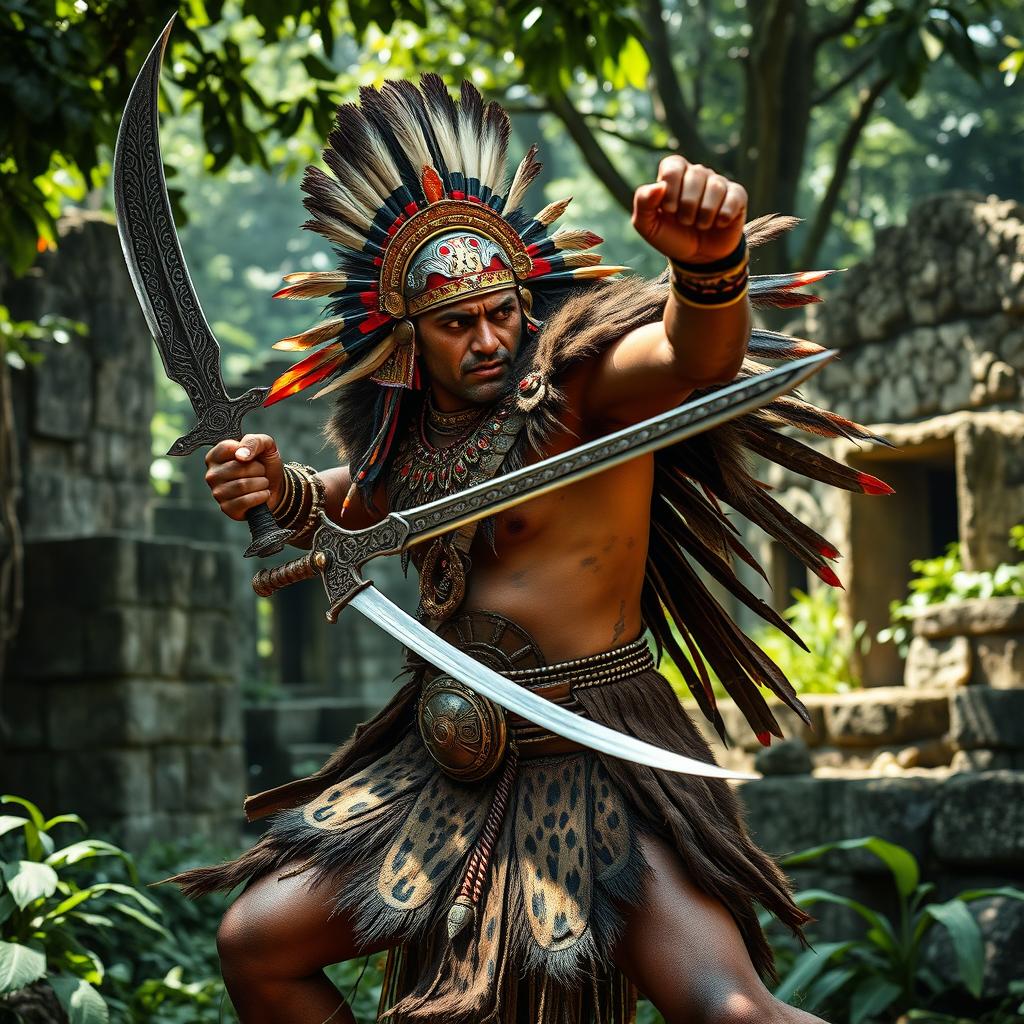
point(337, 557)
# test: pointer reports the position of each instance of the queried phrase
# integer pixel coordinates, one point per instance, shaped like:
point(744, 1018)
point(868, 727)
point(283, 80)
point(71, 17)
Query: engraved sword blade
point(145, 225)
point(437, 517)
point(485, 681)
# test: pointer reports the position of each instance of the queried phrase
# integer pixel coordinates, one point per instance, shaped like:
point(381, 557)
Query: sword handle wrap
point(267, 536)
point(267, 581)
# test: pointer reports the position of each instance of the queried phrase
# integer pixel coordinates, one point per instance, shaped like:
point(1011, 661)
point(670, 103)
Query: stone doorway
point(918, 521)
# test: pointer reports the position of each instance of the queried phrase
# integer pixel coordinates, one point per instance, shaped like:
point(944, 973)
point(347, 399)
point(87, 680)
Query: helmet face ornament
point(417, 207)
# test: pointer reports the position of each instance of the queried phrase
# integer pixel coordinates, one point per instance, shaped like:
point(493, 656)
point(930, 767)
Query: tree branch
point(839, 25)
point(826, 94)
point(659, 53)
point(630, 140)
point(596, 158)
point(844, 154)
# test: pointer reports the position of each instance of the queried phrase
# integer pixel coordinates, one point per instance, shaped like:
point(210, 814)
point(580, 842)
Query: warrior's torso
point(568, 565)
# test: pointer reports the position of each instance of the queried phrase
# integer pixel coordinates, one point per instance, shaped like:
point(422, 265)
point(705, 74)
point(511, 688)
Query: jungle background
point(849, 114)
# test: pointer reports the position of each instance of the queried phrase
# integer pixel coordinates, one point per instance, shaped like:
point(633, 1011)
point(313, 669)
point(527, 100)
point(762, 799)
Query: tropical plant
point(825, 667)
point(880, 974)
point(943, 579)
point(50, 915)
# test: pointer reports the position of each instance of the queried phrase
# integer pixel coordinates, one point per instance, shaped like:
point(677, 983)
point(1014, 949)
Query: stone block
point(121, 642)
point(62, 385)
point(93, 572)
point(170, 642)
point(216, 777)
point(23, 709)
point(789, 814)
point(979, 819)
point(984, 717)
point(885, 715)
point(999, 660)
point(104, 782)
point(739, 731)
point(986, 760)
point(784, 757)
point(973, 617)
point(228, 715)
point(199, 709)
point(165, 571)
point(939, 664)
point(29, 774)
point(897, 808)
point(213, 578)
point(170, 779)
point(213, 645)
point(89, 715)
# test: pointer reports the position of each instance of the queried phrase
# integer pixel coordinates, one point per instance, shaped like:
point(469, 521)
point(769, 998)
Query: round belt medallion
point(462, 731)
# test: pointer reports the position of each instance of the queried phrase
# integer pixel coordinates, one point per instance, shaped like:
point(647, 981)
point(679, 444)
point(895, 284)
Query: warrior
point(513, 874)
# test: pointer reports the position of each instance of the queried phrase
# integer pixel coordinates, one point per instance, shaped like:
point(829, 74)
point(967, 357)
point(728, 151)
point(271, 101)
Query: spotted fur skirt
point(398, 840)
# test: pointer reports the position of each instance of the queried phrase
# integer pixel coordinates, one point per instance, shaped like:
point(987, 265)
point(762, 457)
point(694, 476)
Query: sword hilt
point(267, 581)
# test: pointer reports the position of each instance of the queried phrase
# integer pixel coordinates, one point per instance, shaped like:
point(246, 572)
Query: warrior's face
point(467, 347)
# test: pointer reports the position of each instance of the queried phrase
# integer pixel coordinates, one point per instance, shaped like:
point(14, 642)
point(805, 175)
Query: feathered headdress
point(419, 213)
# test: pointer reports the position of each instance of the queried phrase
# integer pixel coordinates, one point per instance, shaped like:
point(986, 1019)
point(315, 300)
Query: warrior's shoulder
point(593, 317)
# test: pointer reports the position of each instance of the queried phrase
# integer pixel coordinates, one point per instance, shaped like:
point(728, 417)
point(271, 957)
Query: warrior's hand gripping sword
point(338, 555)
point(188, 348)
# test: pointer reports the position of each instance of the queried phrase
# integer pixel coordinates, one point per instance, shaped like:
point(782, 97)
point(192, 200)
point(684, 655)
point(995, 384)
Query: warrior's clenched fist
point(246, 473)
point(691, 213)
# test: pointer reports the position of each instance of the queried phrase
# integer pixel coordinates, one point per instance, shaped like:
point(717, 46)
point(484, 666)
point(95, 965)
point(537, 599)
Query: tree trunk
point(779, 79)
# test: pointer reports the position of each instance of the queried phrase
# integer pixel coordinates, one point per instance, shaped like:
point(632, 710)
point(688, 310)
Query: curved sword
point(339, 554)
point(187, 346)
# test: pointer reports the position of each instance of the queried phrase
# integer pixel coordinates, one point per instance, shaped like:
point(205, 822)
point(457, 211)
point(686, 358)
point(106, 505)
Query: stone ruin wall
point(120, 696)
point(931, 755)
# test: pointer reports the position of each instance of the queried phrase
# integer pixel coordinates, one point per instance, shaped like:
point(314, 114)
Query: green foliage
point(878, 975)
point(825, 667)
point(52, 913)
point(20, 339)
point(75, 916)
point(944, 579)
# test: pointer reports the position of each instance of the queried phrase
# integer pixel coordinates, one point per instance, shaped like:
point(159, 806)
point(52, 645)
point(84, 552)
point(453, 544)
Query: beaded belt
point(469, 735)
point(560, 681)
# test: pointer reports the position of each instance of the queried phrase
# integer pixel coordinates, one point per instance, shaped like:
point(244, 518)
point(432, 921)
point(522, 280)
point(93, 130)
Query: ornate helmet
point(419, 214)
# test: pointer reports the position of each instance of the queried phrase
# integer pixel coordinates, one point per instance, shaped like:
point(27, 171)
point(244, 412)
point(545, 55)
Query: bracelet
point(314, 486)
point(712, 285)
point(285, 512)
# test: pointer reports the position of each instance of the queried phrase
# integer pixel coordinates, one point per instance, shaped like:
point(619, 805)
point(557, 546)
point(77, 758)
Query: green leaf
point(85, 849)
point(127, 890)
point(34, 813)
point(871, 998)
point(882, 932)
point(81, 1002)
point(7, 906)
point(898, 860)
point(28, 881)
point(61, 819)
point(807, 966)
point(966, 935)
point(19, 966)
point(144, 919)
point(828, 984)
point(9, 822)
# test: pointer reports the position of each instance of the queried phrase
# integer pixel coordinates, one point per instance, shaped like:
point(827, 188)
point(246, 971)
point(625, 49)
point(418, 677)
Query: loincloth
point(398, 840)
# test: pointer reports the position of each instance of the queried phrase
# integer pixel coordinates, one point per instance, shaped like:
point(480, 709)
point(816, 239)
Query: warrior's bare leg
point(684, 952)
point(274, 941)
